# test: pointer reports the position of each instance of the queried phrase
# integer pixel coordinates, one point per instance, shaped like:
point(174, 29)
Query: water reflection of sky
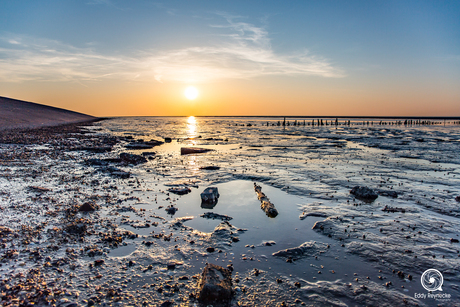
point(191, 127)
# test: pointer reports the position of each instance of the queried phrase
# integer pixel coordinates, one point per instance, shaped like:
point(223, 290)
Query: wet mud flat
point(86, 221)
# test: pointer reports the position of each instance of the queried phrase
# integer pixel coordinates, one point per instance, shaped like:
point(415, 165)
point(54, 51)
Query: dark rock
point(148, 153)
point(193, 150)
point(171, 210)
point(212, 215)
point(132, 159)
point(210, 168)
point(215, 285)
point(210, 249)
point(168, 140)
point(98, 262)
point(140, 144)
point(452, 240)
point(457, 198)
point(180, 191)
point(364, 193)
point(210, 195)
point(87, 207)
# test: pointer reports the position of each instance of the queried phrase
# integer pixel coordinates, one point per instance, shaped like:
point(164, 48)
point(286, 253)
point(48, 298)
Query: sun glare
point(191, 93)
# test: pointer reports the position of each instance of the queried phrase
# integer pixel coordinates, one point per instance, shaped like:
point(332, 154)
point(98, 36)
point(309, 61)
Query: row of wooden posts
point(321, 122)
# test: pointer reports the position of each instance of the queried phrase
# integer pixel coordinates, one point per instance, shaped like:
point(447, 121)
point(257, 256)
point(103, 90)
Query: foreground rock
point(215, 285)
point(265, 203)
point(364, 193)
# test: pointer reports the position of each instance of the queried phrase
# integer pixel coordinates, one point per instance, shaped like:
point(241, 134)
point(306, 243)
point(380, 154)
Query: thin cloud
point(244, 51)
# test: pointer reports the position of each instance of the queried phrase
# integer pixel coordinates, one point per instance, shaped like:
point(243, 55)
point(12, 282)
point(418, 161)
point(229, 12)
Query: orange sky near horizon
point(238, 98)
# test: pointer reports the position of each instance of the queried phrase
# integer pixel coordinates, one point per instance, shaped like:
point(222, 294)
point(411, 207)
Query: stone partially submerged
point(364, 193)
point(215, 285)
point(193, 150)
point(210, 195)
point(212, 215)
point(309, 248)
point(265, 203)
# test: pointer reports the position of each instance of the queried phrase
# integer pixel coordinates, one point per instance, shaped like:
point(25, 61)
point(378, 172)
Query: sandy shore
point(18, 114)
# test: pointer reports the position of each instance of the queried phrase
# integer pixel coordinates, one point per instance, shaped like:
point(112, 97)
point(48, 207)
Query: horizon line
point(297, 116)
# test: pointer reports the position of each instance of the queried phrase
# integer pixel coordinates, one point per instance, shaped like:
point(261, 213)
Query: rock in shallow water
point(210, 195)
point(193, 150)
point(215, 285)
point(305, 249)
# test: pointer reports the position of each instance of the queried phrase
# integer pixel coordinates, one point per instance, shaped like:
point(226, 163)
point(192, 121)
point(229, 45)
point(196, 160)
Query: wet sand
point(325, 248)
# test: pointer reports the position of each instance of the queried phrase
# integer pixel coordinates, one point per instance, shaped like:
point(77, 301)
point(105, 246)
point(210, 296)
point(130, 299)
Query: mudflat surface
point(18, 114)
point(90, 214)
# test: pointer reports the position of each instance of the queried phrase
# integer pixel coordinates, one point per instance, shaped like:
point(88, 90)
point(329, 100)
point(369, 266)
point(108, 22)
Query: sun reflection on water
point(191, 127)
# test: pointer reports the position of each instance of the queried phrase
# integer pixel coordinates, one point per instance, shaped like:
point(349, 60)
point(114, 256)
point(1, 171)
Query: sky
point(278, 58)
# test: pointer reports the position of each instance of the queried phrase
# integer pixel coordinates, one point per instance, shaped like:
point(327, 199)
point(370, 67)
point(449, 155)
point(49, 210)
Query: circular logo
point(432, 280)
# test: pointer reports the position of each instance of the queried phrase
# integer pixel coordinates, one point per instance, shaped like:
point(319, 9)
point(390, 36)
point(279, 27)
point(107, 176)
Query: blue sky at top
point(367, 42)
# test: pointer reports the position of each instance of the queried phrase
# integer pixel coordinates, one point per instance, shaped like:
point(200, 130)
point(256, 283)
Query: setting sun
point(191, 93)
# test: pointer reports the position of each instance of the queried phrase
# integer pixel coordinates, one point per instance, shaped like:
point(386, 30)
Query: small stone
point(87, 207)
point(98, 262)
